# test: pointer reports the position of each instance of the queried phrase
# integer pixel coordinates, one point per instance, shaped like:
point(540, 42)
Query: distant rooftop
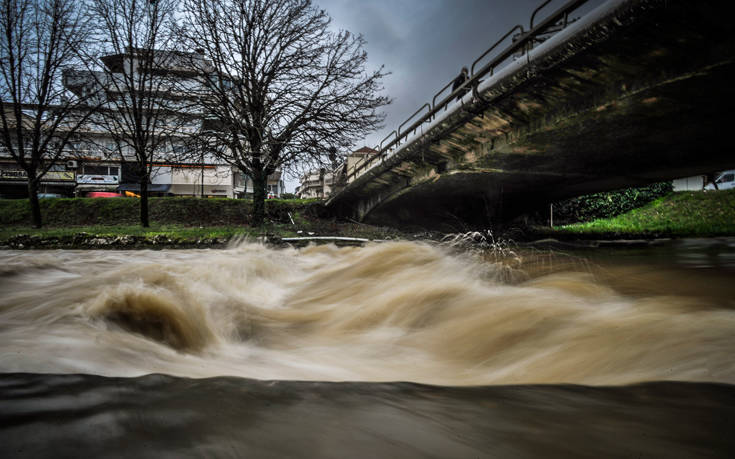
point(365, 150)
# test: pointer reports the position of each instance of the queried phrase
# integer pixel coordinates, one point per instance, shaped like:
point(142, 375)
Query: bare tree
point(282, 88)
point(145, 111)
point(39, 39)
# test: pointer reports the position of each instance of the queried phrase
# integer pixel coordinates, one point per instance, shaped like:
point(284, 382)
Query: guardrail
point(521, 43)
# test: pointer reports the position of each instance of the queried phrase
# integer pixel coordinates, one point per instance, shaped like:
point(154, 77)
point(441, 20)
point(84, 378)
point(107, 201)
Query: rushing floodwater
point(411, 312)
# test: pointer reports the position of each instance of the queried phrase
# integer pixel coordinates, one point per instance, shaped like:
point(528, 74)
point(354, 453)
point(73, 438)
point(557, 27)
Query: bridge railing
point(521, 43)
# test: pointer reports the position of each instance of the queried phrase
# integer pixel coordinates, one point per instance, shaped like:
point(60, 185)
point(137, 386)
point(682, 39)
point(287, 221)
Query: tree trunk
point(144, 202)
point(260, 181)
point(33, 199)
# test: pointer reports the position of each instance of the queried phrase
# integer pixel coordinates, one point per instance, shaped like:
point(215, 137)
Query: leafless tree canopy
point(144, 109)
point(38, 40)
point(279, 88)
point(276, 86)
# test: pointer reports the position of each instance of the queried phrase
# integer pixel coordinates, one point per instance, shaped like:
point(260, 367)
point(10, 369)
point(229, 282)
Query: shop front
point(56, 182)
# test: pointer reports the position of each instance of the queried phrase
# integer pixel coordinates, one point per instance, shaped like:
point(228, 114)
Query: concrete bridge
point(634, 92)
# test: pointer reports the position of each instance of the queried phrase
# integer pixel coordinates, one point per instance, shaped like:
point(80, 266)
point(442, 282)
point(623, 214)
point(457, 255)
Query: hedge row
point(121, 211)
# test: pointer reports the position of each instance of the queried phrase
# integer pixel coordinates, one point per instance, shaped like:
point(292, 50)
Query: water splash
point(392, 311)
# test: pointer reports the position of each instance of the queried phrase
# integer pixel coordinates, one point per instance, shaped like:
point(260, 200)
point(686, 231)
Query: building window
point(101, 170)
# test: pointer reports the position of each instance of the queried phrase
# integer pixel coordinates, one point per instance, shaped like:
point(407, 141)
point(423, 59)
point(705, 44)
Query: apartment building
point(177, 168)
point(243, 185)
point(94, 162)
point(316, 184)
point(320, 183)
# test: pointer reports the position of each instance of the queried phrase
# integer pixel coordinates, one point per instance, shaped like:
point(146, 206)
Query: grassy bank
point(168, 230)
point(192, 233)
point(175, 222)
point(685, 214)
point(188, 222)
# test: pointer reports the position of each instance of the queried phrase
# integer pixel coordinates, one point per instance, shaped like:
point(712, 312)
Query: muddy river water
point(397, 349)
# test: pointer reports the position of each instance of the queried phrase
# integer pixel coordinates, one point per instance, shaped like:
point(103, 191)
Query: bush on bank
point(683, 214)
point(608, 204)
point(61, 212)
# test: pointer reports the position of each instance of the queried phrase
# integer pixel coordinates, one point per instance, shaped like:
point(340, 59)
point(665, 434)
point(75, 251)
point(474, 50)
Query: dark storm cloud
point(424, 43)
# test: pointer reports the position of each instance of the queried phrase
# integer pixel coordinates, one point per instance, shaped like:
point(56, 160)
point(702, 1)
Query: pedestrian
point(461, 78)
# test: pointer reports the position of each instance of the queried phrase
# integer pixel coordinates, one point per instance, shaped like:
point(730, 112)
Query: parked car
point(49, 195)
point(103, 194)
point(724, 181)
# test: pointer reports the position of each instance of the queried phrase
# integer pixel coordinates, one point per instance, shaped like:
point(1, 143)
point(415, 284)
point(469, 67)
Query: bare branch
point(141, 74)
point(38, 40)
point(279, 89)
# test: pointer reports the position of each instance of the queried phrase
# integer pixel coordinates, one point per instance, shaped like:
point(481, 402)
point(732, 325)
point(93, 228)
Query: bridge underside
point(643, 95)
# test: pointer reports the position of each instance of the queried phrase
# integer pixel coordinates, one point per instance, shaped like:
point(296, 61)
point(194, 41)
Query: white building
point(316, 184)
point(96, 163)
point(694, 183)
point(322, 182)
point(243, 185)
point(208, 180)
point(176, 168)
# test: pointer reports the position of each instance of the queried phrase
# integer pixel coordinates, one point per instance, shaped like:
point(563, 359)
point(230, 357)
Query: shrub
point(608, 204)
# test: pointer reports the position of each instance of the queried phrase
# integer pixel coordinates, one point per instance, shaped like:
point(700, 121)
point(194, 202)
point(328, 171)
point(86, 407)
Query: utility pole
point(201, 195)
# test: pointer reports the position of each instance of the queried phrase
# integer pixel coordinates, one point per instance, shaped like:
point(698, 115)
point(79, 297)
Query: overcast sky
point(424, 43)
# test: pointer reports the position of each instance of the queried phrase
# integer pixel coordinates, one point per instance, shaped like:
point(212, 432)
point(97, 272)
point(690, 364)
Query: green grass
point(685, 214)
point(689, 214)
point(177, 231)
point(182, 220)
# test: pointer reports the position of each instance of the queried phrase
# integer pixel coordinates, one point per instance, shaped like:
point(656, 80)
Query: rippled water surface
point(399, 311)
point(387, 312)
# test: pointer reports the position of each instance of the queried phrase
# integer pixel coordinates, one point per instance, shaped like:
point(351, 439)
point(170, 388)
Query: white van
point(725, 181)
